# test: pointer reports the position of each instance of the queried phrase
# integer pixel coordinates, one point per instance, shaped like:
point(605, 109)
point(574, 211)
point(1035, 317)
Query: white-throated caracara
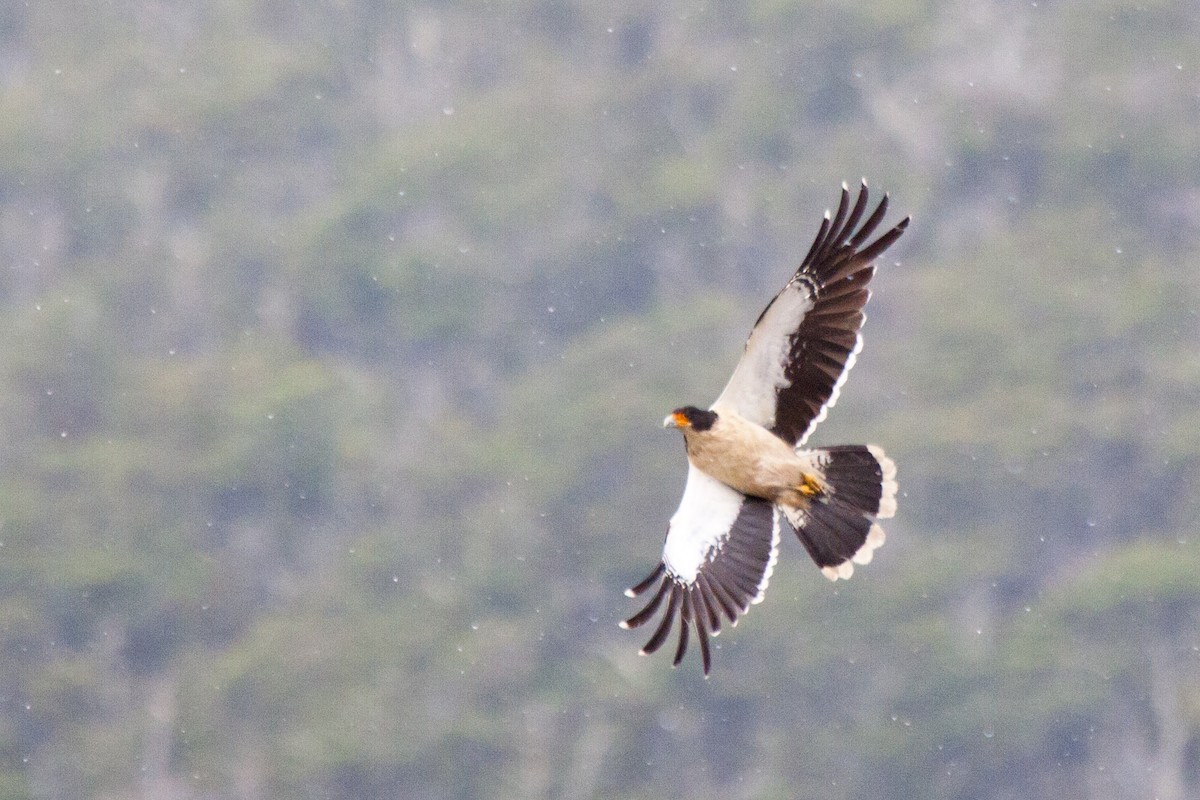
point(749, 475)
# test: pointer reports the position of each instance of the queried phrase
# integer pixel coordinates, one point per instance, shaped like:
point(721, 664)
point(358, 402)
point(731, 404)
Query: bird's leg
point(810, 486)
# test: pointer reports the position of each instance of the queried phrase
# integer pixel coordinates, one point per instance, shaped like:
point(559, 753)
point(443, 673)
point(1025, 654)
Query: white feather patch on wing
point(759, 375)
point(702, 522)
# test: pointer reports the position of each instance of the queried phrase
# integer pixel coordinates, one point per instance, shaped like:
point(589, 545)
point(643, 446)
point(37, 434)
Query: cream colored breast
point(743, 455)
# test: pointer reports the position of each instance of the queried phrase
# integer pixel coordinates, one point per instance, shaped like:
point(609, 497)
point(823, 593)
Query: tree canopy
point(339, 334)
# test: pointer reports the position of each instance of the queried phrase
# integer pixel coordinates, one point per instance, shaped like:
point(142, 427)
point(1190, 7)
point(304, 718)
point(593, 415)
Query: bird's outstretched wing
point(720, 550)
point(806, 339)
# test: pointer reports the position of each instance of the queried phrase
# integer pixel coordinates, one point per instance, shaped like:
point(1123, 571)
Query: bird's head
point(690, 418)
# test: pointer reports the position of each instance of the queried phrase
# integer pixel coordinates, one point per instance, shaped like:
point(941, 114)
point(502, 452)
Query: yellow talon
point(810, 486)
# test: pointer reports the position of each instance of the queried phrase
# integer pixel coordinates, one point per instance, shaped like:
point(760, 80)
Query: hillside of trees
point(339, 335)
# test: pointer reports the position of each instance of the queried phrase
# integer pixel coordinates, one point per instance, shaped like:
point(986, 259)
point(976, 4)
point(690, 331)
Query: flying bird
point(750, 477)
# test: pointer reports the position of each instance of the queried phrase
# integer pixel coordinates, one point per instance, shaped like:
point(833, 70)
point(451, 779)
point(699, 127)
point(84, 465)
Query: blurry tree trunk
point(158, 740)
point(591, 747)
point(1171, 727)
point(251, 770)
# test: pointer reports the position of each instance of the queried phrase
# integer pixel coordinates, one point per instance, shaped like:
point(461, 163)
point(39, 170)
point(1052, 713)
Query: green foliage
point(339, 339)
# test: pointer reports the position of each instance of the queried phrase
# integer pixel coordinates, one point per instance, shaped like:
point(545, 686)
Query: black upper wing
point(806, 339)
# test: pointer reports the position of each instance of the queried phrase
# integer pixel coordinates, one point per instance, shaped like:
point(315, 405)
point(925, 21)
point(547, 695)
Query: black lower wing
point(728, 574)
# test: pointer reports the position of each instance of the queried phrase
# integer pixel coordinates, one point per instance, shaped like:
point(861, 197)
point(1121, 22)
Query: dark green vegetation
point(338, 336)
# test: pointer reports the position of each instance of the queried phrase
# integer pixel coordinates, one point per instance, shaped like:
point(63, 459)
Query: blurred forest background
point(339, 335)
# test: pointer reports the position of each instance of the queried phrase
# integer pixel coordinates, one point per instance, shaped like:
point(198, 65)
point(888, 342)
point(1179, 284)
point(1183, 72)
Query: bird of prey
point(750, 477)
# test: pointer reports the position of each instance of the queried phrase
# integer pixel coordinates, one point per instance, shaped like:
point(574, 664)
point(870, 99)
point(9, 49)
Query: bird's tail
point(857, 486)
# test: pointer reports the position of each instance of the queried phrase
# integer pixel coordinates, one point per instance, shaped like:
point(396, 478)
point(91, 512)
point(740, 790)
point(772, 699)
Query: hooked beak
point(676, 420)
